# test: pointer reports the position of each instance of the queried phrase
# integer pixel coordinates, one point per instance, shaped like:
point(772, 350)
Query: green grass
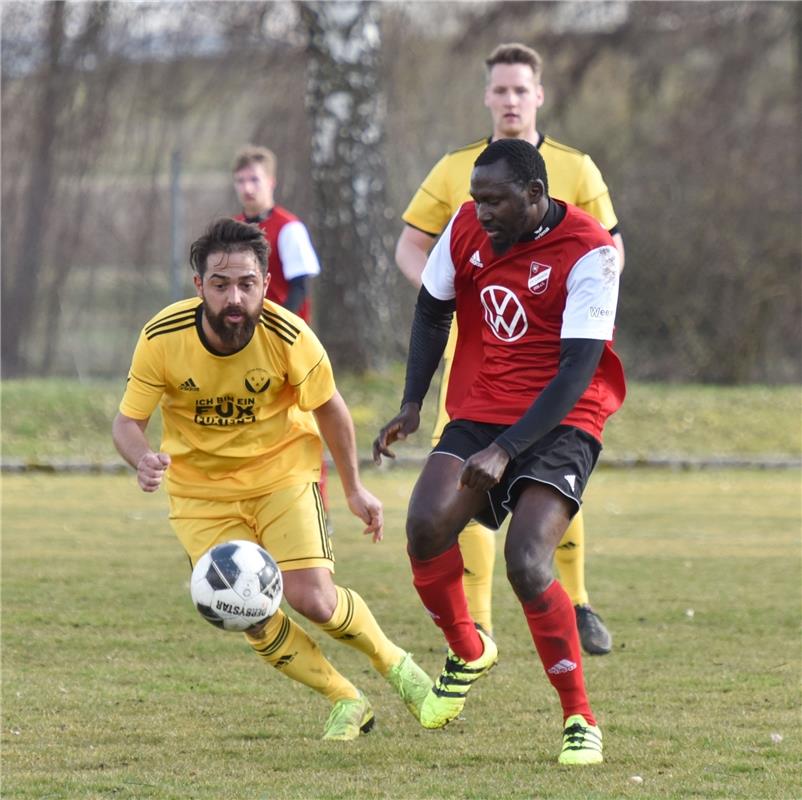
point(59, 419)
point(113, 687)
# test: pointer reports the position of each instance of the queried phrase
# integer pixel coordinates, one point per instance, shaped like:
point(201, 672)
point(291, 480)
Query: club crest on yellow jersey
point(257, 380)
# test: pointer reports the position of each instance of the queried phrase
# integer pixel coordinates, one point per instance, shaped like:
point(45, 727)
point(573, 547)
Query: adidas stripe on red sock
point(552, 623)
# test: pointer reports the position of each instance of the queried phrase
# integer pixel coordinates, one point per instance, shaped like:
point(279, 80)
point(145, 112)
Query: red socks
point(438, 581)
point(552, 622)
point(550, 617)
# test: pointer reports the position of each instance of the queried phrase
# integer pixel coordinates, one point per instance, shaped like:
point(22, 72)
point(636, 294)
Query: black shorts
point(563, 458)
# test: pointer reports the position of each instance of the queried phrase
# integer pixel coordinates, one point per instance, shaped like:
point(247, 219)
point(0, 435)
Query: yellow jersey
point(235, 426)
point(573, 177)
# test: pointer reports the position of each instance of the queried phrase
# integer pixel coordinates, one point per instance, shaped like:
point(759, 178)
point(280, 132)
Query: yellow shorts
point(289, 523)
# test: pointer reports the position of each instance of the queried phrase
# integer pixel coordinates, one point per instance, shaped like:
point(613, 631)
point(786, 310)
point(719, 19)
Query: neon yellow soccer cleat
point(446, 699)
point(349, 718)
point(411, 683)
point(582, 743)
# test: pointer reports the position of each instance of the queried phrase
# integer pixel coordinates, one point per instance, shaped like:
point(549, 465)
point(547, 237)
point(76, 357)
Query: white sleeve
point(438, 274)
point(295, 250)
point(592, 296)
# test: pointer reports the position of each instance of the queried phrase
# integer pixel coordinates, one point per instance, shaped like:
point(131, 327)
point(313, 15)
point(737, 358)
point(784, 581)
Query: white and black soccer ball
point(236, 585)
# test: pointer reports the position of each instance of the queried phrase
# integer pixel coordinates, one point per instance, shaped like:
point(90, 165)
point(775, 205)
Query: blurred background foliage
point(120, 120)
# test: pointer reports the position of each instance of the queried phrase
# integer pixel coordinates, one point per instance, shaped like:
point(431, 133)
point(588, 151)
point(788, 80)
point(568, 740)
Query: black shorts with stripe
point(563, 458)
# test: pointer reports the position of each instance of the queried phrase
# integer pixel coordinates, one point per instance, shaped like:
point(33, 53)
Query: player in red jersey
point(534, 282)
point(293, 261)
point(514, 95)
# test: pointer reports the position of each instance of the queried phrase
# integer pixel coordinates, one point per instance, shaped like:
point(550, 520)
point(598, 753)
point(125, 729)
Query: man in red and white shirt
point(534, 282)
point(293, 260)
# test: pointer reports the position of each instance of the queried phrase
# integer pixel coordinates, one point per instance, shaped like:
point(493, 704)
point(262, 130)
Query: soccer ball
point(236, 585)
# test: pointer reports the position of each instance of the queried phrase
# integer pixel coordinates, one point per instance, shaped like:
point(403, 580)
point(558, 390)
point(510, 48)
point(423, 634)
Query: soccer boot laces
point(446, 699)
point(582, 742)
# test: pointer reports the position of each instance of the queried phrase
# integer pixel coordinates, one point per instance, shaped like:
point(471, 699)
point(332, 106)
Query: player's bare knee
point(316, 610)
point(316, 606)
point(421, 527)
point(529, 577)
point(429, 534)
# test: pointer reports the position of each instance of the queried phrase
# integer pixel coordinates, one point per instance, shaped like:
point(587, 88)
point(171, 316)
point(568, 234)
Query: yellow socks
point(478, 547)
point(569, 559)
point(354, 624)
point(286, 646)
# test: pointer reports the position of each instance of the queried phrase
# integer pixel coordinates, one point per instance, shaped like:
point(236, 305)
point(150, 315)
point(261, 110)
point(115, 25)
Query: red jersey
point(513, 309)
point(291, 254)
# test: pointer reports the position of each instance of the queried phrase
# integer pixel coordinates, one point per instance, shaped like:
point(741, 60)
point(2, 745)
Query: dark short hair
point(229, 236)
point(525, 162)
point(516, 53)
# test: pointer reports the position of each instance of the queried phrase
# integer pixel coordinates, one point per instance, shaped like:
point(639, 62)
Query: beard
point(500, 246)
point(233, 335)
point(515, 231)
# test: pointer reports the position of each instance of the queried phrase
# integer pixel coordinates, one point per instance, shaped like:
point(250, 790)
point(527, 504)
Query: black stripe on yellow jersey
point(173, 322)
point(281, 327)
point(484, 142)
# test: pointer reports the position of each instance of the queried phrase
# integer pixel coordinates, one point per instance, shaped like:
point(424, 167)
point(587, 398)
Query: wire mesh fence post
point(176, 227)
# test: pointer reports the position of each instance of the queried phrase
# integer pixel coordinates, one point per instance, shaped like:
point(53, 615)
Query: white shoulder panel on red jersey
point(295, 250)
point(592, 296)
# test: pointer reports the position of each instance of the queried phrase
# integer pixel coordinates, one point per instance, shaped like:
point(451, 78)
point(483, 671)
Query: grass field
point(113, 687)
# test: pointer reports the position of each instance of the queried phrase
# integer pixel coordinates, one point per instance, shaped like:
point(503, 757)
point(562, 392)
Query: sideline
point(12, 466)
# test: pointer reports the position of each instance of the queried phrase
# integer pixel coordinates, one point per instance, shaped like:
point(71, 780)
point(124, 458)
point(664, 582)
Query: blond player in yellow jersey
point(246, 390)
point(513, 94)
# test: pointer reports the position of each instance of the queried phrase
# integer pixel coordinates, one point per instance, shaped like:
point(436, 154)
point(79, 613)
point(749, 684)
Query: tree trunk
point(20, 289)
point(347, 112)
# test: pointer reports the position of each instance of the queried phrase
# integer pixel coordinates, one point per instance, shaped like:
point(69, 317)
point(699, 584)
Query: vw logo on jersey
point(504, 313)
point(538, 277)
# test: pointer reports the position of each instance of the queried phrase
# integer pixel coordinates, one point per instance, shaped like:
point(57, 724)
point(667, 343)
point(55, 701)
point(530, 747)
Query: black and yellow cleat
point(582, 743)
point(446, 699)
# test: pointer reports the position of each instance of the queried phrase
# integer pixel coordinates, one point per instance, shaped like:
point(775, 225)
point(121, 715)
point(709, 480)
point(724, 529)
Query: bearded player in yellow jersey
point(513, 94)
point(246, 390)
